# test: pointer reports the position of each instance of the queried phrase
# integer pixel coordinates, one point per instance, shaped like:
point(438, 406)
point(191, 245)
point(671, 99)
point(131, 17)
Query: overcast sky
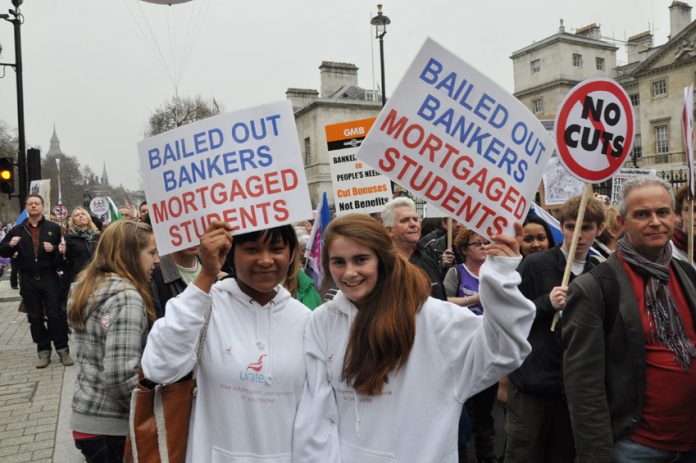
point(94, 68)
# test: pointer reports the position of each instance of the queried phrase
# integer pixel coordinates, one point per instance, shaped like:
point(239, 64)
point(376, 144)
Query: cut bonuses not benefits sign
point(243, 168)
point(459, 141)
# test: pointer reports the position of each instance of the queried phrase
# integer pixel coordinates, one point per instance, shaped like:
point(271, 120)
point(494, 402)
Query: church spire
point(55, 144)
point(105, 177)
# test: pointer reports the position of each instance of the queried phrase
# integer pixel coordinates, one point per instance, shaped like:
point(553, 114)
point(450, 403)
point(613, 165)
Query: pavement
point(34, 403)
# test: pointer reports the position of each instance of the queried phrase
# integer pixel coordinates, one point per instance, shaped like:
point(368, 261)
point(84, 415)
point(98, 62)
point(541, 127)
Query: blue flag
point(316, 242)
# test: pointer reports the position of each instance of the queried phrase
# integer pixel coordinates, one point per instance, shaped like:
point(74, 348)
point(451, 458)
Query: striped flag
point(316, 242)
point(555, 226)
point(113, 214)
point(688, 133)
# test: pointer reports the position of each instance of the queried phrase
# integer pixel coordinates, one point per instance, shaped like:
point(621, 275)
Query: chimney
point(637, 44)
point(335, 76)
point(300, 97)
point(591, 32)
point(679, 17)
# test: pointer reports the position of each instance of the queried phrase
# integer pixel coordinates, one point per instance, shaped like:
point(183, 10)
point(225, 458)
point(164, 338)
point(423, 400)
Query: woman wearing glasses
point(462, 280)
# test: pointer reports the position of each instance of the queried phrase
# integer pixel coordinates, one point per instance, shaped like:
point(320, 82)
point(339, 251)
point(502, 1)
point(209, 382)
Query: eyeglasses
point(478, 244)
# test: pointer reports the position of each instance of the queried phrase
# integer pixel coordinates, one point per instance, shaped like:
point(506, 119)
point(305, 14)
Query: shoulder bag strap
point(201, 339)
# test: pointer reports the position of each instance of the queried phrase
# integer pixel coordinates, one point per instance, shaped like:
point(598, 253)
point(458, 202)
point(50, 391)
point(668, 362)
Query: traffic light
point(7, 175)
point(34, 164)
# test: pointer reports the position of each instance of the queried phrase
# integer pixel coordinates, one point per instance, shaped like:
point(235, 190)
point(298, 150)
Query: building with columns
point(654, 78)
point(340, 99)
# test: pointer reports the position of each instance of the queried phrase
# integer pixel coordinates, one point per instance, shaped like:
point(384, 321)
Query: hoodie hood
point(345, 306)
point(230, 285)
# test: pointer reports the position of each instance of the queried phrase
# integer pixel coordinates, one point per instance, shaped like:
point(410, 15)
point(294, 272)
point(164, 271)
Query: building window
point(577, 60)
point(538, 106)
point(307, 151)
point(599, 63)
point(661, 139)
point(637, 149)
point(635, 99)
point(659, 88)
point(536, 66)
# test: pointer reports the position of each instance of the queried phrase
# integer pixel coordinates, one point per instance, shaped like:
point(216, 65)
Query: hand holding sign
point(215, 244)
point(594, 134)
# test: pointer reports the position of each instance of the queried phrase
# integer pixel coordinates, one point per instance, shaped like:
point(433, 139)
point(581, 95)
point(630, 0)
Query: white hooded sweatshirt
point(455, 354)
point(250, 375)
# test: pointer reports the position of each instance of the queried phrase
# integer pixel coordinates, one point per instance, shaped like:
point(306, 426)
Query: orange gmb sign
point(594, 129)
point(356, 186)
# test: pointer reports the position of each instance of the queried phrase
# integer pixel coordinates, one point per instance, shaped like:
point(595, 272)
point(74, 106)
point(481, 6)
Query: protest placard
point(459, 141)
point(594, 129)
point(43, 189)
point(620, 177)
point(356, 186)
point(242, 167)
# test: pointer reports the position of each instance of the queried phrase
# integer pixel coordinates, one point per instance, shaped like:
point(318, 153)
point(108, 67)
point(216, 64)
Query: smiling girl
point(251, 369)
point(388, 367)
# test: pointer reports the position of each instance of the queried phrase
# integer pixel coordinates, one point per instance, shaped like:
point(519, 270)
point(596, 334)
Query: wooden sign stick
point(449, 232)
point(573, 246)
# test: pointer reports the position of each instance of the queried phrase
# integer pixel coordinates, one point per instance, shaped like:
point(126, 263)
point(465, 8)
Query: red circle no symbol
point(577, 96)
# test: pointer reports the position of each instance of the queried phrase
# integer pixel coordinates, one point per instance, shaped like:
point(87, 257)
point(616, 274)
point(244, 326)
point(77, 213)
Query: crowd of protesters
point(400, 353)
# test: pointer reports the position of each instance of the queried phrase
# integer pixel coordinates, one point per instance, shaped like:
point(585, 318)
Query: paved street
point(34, 404)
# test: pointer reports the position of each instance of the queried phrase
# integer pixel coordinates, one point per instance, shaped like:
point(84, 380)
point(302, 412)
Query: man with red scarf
point(629, 341)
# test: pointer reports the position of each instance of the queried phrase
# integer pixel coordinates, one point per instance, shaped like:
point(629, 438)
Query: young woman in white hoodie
point(251, 369)
point(388, 368)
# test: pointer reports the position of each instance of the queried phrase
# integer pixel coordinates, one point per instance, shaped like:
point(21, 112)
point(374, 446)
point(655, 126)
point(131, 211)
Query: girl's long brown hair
point(384, 329)
point(118, 252)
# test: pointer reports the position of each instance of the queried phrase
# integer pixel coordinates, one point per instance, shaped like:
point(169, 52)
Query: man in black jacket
point(36, 241)
point(537, 421)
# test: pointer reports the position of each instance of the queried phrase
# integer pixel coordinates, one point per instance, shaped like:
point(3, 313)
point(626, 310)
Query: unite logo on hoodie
point(252, 372)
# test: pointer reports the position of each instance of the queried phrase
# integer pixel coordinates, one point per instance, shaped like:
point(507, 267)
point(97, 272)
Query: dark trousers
point(102, 449)
point(45, 293)
point(480, 408)
point(538, 428)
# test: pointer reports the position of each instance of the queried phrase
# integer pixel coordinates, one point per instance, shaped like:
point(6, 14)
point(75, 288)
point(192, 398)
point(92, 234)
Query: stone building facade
point(654, 78)
point(340, 100)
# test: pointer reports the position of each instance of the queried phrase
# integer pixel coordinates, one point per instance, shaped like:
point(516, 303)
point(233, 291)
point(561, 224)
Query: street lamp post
point(380, 22)
point(17, 20)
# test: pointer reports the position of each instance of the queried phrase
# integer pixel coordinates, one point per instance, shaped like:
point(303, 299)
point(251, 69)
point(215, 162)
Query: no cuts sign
point(594, 129)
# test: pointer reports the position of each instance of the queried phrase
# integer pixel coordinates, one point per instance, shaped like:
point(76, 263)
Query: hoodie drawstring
point(269, 378)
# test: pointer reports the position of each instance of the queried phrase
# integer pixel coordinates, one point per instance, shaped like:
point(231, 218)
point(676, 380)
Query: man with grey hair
point(629, 341)
point(401, 220)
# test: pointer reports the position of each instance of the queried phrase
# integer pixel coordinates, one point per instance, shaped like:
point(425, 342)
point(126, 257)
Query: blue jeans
point(628, 451)
point(102, 449)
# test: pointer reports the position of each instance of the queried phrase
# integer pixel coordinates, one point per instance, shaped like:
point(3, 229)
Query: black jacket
point(27, 260)
point(78, 251)
point(604, 357)
point(420, 258)
point(166, 283)
point(542, 370)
